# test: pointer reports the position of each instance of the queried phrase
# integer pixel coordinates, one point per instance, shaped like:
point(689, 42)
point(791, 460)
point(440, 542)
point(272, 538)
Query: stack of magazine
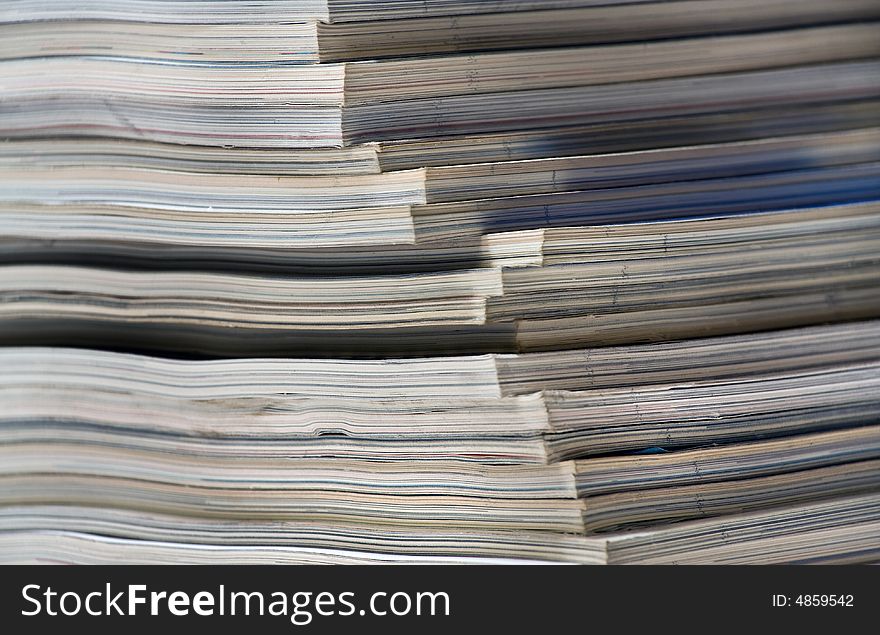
point(325, 281)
